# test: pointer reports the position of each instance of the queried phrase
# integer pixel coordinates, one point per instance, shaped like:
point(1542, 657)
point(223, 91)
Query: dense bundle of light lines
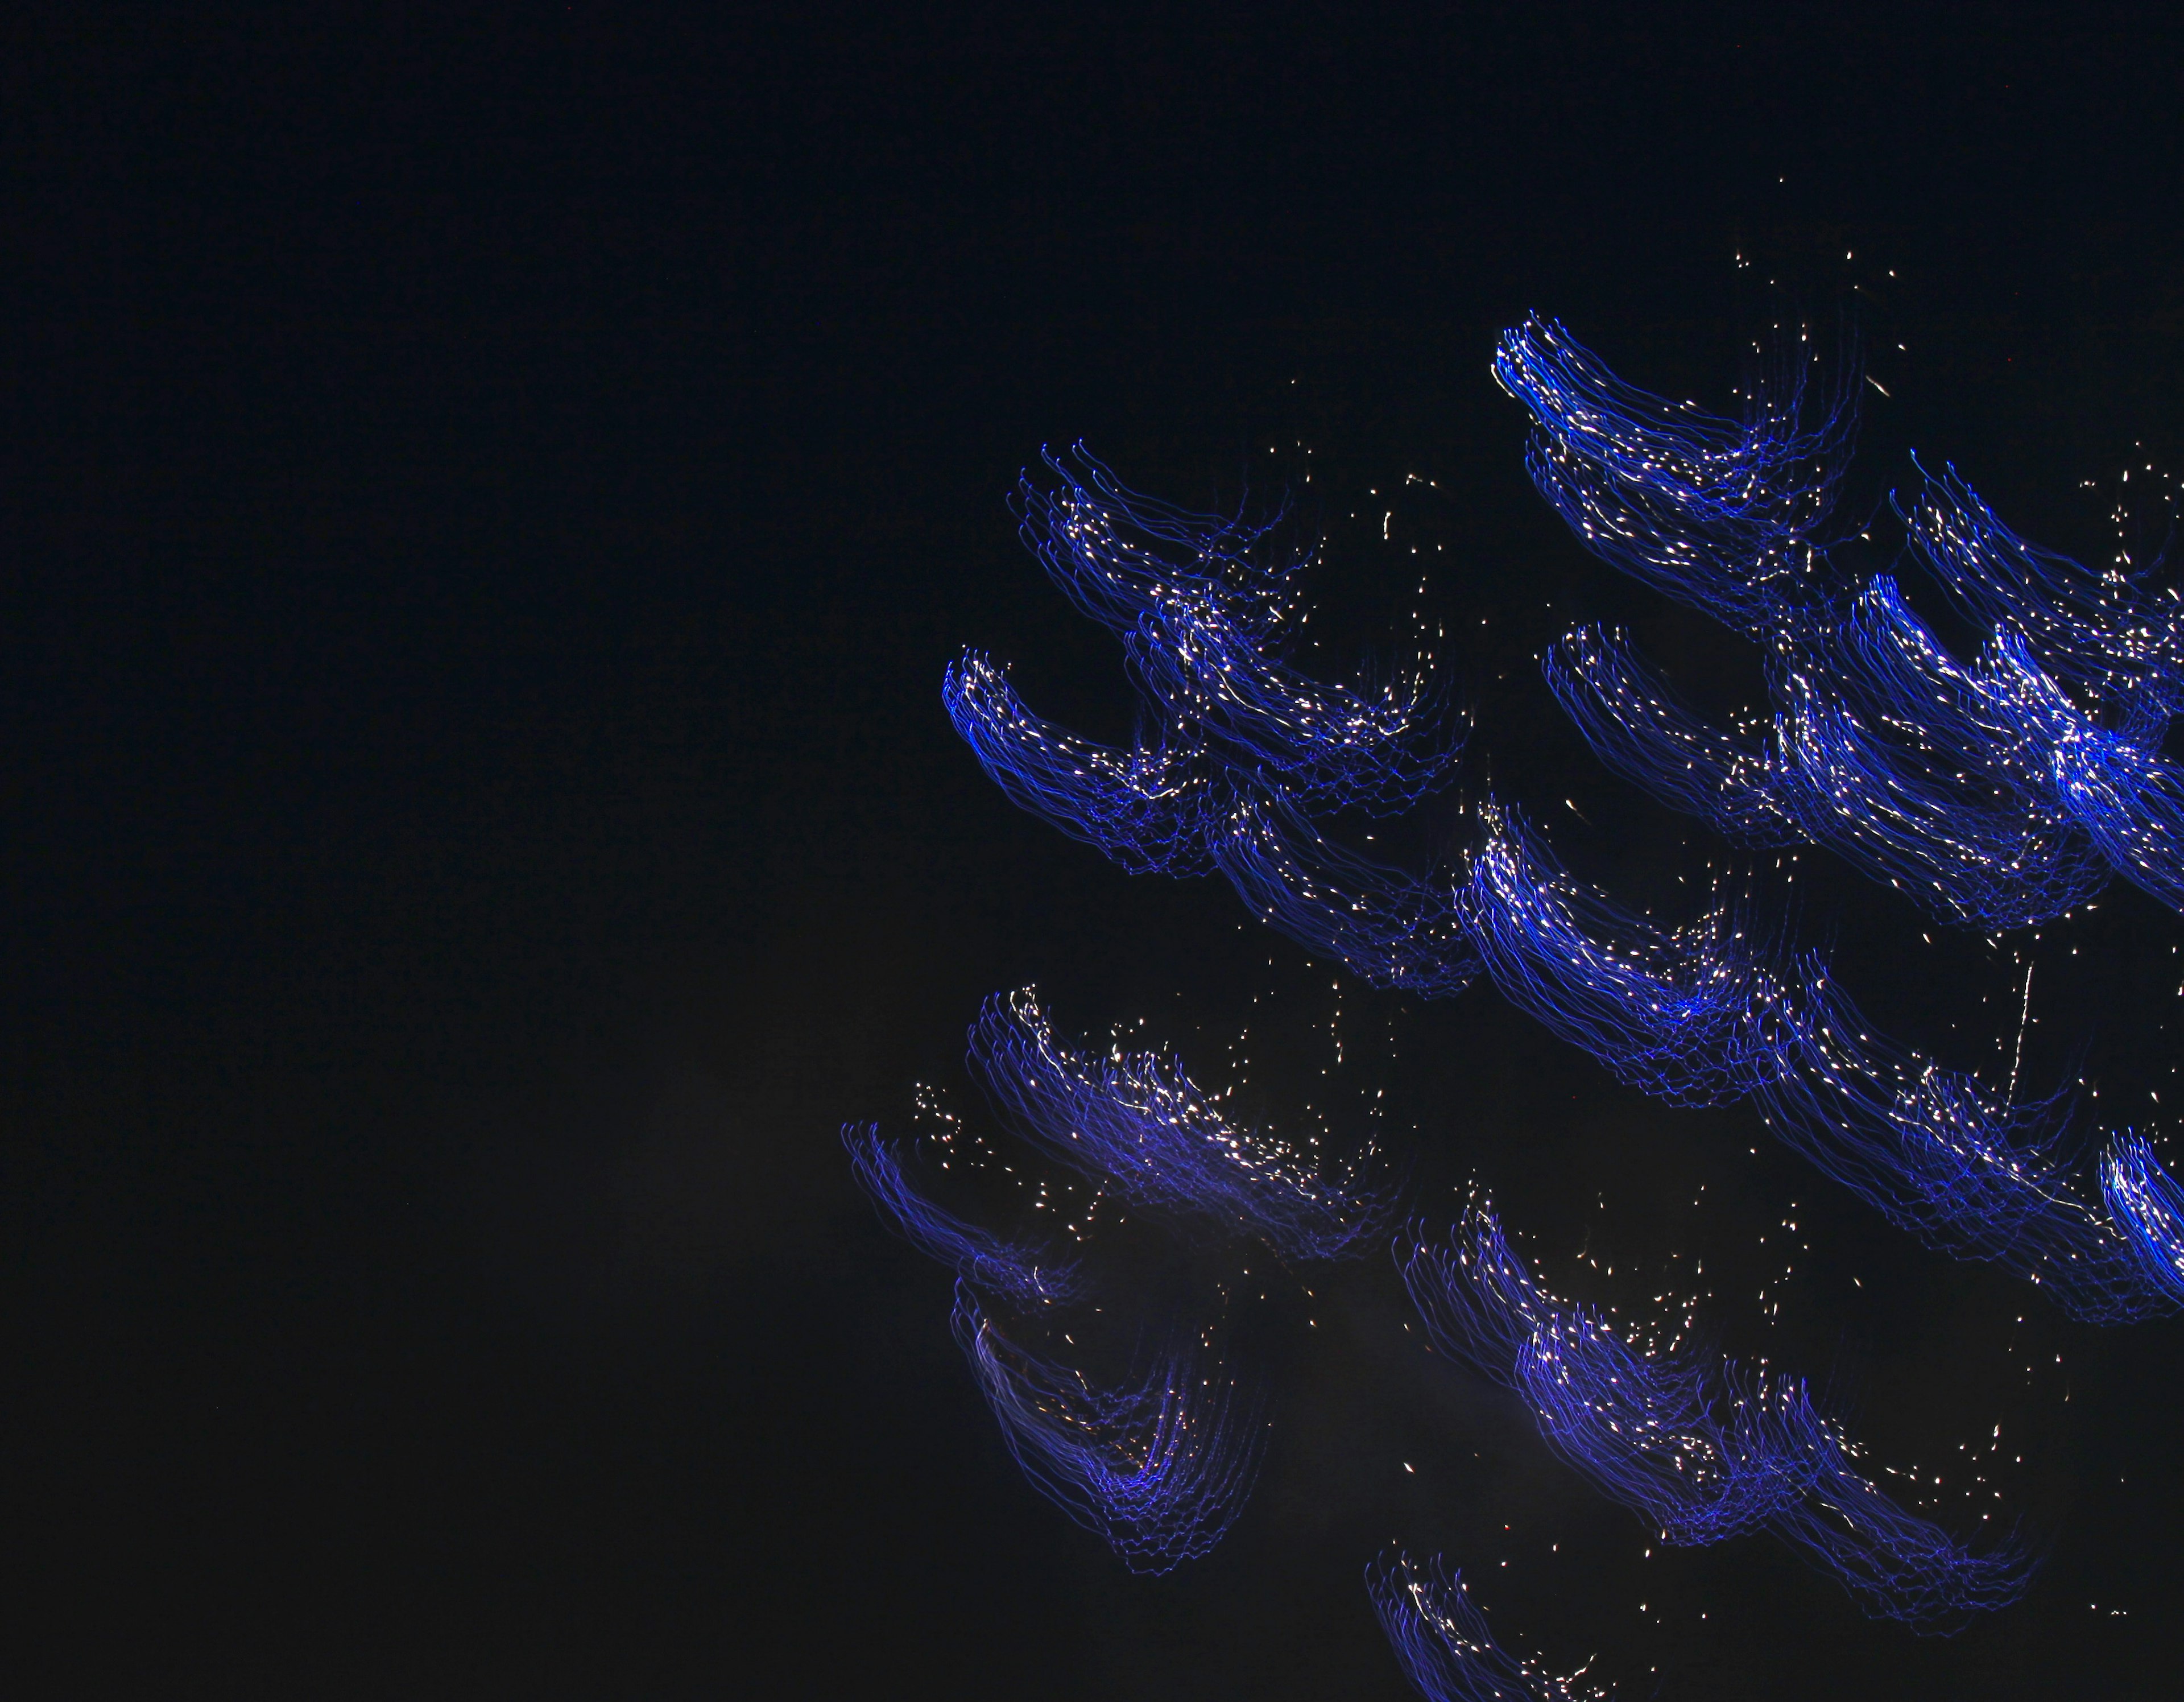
point(1915, 817)
point(1136, 1124)
point(1724, 515)
point(1701, 1451)
point(1896, 776)
point(1688, 1015)
point(1115, 552)
point(1700, 1447)
point(2114, 785)
point(1206, 658)
point(2145, 1202)
point(1639, 727)
point(2114, 635)
point(1206, 605)
point(1160, 1465)
point(1149, 808)
point(1443, 1642)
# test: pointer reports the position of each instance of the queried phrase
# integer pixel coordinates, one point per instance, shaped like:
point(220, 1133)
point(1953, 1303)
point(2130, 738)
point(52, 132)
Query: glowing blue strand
point(1702, 1449)
point(1992, 717)
point(1755, 470)
point(1209, 664)
point(1957, 811)
point(1640, 730)
point(2128, 797)
point(2145, 1201)
point(1702, 1453)
point(1444, 1644)
point(1153, 810)
point(1147, 809)
point(1940, 1155)
point(1135, 1123)
point(1893, 1564)
point(1682, 1015)
point(1962, 715)
point(1160, 1466)
point(1717, 514)
point(2111, 633)
point(1478, 1298)
point(1937, 835)
point(1204, 608)
point(1388, 929)
point(977, 1256)
point(1705, 1456)
point(1114, 551)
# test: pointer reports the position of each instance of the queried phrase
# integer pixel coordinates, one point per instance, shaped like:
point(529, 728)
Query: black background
point(488, 497)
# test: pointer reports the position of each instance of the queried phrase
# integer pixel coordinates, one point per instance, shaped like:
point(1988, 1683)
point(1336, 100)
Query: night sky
point(488, 499)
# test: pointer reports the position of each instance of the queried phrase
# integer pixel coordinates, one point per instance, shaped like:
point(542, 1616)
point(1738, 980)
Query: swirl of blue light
point(1684, 1014)
point(1137, 1123)
point(2125, 796)
point(1721, 515)
point(1701, 1452)
point(1893, 1564)
point(1705, 1453)
point(1891, 660)
point(1206, 607)
point(1956, 812)
point(1938, 1154)
point(1443, 1643)
point(1114, 552)
point(2111, 633)
point(1640, 728)
point(2145, 1201)
point(1148, 808)
point(1387, 927)
point(1166, 808)
point(978, 1256)
point(1159, 1465)
point(1207, 665)
point(1917, 820)
point(1702, 1449)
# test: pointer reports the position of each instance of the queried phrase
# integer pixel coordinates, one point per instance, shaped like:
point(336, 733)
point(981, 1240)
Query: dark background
point(488, 499)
